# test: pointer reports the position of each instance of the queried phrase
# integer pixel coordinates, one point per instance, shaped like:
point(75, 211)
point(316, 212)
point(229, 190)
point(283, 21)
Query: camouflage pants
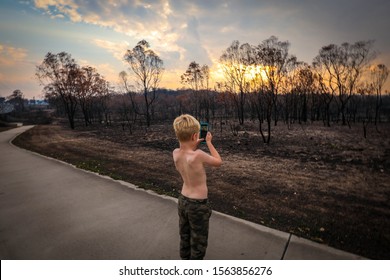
point(194, 218)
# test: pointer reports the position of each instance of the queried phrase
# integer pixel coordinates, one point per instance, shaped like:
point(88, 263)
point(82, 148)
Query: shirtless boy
point(194, 208)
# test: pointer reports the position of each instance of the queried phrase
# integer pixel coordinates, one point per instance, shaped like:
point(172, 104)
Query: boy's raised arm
point(214, 159)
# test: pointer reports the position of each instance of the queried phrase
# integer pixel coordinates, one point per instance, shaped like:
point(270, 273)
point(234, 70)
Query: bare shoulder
point(205, 158)
point(175, 152)
point(200, 154)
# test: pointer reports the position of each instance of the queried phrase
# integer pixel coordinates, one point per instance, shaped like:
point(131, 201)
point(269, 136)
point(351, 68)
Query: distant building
point(37, 104)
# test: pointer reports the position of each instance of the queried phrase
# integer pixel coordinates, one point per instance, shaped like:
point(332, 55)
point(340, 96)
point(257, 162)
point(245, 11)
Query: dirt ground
point(326, 184)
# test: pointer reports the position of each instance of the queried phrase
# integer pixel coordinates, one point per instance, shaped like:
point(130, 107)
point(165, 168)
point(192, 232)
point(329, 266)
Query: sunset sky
point(98, 33)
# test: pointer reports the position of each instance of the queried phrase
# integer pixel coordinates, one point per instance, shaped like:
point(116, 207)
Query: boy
point(194, 208)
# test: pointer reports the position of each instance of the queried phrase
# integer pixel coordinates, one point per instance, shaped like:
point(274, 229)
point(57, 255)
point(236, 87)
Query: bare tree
point(325, 89)
point(366, 98)
point(129, 109)
point(193, 78)
point(273, 55)
point(236, 62)
point(305, 87)
point(58, 73)
point(101, 97)
point(17, 99)
point(197, 78)
point(379, 74)
point(91, 87)
point(148, 69)
point(208, 97)
point(262, 101)
point(344, 66)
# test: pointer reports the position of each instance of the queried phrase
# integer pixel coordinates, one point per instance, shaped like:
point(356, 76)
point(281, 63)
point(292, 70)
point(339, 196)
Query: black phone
point(204, 128)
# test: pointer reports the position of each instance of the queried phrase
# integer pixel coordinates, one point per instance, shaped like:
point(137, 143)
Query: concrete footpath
point(52, 210)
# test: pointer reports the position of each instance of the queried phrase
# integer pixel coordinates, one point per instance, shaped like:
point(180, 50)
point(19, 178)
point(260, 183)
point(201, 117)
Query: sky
point(98, 33)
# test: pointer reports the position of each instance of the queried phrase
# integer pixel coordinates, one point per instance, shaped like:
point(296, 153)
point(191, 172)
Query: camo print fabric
point(194, 218)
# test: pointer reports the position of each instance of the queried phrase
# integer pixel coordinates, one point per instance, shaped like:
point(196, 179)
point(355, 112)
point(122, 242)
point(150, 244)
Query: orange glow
point(252, 73)
point(256, 72)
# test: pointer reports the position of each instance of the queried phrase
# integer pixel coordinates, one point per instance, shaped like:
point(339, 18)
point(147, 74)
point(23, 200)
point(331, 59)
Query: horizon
point(99, 33)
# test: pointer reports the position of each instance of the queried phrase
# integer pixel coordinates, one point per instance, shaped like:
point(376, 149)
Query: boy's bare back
point(190, 161)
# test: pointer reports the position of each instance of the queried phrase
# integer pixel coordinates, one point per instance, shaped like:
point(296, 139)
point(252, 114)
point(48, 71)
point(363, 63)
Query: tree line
point(261, 82)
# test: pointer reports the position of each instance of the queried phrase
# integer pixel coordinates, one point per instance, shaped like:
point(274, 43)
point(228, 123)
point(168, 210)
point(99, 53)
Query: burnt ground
point(330, 185)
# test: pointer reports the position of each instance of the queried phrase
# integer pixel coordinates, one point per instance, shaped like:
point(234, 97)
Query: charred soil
point(327, 184)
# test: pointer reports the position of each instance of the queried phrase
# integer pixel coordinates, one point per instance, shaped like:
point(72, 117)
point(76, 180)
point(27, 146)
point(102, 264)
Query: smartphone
point(204, 128)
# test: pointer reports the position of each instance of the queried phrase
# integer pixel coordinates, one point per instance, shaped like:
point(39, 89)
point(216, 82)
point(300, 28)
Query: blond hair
point(185, 126)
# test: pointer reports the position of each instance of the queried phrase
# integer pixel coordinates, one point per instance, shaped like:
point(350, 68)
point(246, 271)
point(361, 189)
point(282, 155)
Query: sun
point(252, 72)
point(256, 72)
point(217, 72)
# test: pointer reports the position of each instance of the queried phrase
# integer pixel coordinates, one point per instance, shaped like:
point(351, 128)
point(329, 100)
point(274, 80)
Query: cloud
point(128, 17)
point(16, 71)
point(10, 55)
point(155, 21)
point(105, 69)
point(191, 45)
point(184, 31)
point(58, 8)
point(118, 50)
point(189, 30)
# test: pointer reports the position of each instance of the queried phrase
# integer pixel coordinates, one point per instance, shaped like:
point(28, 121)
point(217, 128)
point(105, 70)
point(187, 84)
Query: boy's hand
point(199, 141)
point(209, 137)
